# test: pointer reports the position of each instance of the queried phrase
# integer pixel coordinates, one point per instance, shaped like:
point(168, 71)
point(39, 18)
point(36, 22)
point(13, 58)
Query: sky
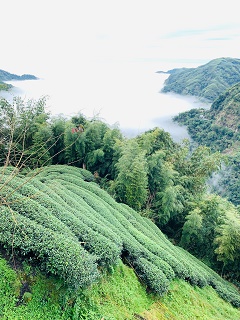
point(42, 37)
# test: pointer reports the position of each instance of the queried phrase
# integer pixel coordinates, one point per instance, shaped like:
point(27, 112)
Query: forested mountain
point(218, 128)
point(207, 81)
point(6, 76)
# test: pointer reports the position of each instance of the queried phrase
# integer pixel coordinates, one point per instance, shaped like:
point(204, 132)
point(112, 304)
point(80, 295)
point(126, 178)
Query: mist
point(127, 95)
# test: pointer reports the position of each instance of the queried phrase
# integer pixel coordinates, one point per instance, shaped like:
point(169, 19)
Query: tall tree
point(130, 185)
point(19, 123)
point(58, 126)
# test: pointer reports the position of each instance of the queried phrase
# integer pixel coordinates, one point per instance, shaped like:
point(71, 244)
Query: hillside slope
point(118, 295)
point(69, 227)
point(218, 128)
point(206, 81)
point(225, 110)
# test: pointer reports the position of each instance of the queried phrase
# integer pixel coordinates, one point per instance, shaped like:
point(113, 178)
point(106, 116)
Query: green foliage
point(207, 81)
point(9, 286)
point(154, 278)
point(72, 229)
point(191, 228)
point(67, 225)
point(5, 86)
point(227, 240)
point(58, 147)
point(131, 182)
point(25, 133)
point(211, 232)
point(59, 255)
point(154, 140)
point(229, 180)
point(186, 302)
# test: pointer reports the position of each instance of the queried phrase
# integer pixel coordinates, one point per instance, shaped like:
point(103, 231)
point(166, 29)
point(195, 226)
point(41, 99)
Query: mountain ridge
point(206, 81)
point(7, 76)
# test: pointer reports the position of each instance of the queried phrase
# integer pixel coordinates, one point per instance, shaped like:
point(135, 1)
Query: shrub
point(153, 277)
point(228, 295)
point(57, 254)
point(162, 265)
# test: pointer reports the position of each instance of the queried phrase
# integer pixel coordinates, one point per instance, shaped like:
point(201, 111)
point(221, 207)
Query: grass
point(117, 296)
point(188, 302)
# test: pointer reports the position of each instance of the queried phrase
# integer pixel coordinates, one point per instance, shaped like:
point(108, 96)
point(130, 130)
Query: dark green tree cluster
point(30, 138)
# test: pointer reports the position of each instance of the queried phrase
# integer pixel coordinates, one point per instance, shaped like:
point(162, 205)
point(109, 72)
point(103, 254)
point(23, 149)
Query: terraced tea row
point(58, 217)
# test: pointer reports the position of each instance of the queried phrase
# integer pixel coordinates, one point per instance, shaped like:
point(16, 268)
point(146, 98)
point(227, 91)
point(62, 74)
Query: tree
point(58, 126)
point(227, 241)
point(20, 125)
point(130, 185)
point(111, 140)
point(74, 144)
point(154, 140)
point(195, 168)
point(191, 235)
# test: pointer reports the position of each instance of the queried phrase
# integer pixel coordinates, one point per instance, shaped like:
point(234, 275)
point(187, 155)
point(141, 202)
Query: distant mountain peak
point(7, 76)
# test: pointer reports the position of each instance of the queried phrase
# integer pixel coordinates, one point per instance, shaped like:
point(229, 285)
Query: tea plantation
point(58, 219)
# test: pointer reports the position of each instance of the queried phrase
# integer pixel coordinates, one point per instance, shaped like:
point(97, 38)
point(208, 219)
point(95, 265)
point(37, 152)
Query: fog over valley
point(129, 97)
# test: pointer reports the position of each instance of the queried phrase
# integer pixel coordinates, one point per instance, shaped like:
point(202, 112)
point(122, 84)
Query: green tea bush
point(77, 220)
point(34, 211)
point(106, 252)
point(97, 239)
point(227, 294)
point(177, 266)
point(87, 215)
point(101, 212)
point(162, 265)
point(207, 275)
point(57, 254)
point(153, 277)
point(133, 250)
point(154, 230)
point(58, 217)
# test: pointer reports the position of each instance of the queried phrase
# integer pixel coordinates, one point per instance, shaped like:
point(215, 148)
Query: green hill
point(207, 81)
point(64, 224)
